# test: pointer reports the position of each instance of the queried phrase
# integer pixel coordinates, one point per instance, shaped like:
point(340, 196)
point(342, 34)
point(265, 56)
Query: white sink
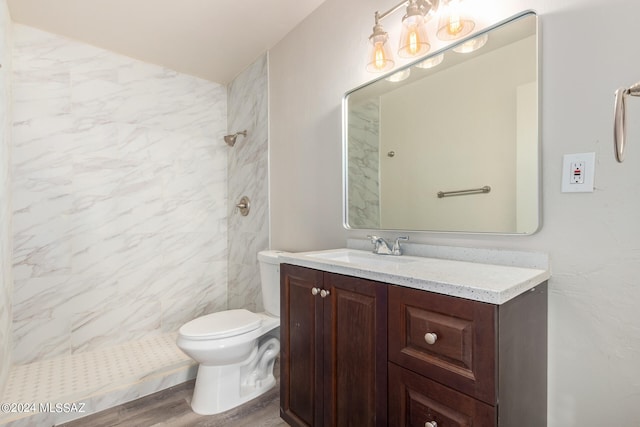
point(356, 257)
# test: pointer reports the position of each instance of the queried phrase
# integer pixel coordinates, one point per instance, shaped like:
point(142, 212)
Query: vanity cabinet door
point(355, 333)
point(301, 361)
point(334, 349)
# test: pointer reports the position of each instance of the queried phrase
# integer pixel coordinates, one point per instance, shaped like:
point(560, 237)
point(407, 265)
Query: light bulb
point(454, 22)
point(379, 60)
point(454, 26)
point(412, 43)
point(413, 38)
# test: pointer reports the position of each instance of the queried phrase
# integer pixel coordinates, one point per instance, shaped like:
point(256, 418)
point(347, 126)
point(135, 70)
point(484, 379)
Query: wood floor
point(171, 408)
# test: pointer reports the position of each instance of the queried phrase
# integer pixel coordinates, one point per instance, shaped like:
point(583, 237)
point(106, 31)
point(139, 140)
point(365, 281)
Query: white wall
point(119, 195)
point(588, 50)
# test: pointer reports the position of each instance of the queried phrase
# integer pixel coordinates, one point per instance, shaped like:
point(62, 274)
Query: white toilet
point(236, 349)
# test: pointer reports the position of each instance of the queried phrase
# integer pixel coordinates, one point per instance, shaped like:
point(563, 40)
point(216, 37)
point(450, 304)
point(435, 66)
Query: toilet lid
point(221, 324)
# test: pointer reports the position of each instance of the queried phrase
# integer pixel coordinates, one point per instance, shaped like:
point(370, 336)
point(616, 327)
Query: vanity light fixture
point(399, 76)
point(454, 23)
point(413, 41)
point(472, 45)
point(413, 38)
point(434, 61)
point(380, 58)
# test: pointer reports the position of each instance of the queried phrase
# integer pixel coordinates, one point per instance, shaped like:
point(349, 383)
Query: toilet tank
point(270, 281)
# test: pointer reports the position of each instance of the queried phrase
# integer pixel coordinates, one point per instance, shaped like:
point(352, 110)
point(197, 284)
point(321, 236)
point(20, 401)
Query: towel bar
point(481, 190)
point(619, 121)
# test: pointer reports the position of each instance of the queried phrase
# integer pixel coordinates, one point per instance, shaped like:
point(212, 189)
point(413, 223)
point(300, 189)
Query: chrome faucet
point(381, 247)
point(397, 250)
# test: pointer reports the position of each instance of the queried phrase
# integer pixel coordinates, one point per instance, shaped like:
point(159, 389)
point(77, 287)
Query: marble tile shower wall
point(248, 163)
point(364, 187)
point(119, 197)
point(6, 281)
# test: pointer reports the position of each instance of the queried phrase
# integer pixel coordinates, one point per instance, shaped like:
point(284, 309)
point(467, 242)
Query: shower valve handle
point(243, 206)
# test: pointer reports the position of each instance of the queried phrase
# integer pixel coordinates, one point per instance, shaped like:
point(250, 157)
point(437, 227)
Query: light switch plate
point(578, 172)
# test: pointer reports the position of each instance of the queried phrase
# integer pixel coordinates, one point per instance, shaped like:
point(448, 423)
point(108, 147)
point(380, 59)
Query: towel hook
point(619, 121)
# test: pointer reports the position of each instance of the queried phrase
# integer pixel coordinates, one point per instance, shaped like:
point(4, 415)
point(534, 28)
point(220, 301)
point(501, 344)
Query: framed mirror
point(452, 147)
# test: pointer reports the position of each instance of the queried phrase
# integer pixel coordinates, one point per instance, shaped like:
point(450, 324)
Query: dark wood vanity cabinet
point(455, 362)
point(334, 349)
point(361, 353)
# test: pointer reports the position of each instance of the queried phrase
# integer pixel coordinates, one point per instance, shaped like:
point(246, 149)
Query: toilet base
point(220, 388)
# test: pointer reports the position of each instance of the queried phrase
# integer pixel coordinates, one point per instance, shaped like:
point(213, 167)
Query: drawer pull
point(315, 291)
point(324, 293)
point(430, 338)
point(431, 424)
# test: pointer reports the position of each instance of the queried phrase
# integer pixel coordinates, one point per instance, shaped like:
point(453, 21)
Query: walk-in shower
point(231, 139)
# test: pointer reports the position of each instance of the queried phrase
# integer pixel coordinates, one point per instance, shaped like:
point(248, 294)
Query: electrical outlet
point(578, 171)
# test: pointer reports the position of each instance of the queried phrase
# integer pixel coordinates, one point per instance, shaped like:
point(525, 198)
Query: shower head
point(231, 139)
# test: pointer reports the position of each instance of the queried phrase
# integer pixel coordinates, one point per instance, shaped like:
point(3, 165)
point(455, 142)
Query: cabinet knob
point(431, 424)
point(315, 291)
point(324, 293)
point(430, 338)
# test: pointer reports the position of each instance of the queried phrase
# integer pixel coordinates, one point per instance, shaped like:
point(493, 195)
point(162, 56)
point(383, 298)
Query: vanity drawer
point(448, 339)
point(418, 401)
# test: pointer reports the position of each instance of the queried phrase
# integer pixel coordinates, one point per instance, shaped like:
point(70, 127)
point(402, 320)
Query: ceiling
point(212, 39)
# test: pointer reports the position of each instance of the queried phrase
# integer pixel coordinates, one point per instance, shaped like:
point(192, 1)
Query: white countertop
point(491, 283)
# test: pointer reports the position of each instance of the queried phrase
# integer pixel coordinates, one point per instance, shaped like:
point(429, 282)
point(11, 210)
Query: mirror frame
point(345, 129)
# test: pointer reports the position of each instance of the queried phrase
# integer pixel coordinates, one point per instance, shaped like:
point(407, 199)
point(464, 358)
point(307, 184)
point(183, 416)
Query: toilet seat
point(222, 324)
